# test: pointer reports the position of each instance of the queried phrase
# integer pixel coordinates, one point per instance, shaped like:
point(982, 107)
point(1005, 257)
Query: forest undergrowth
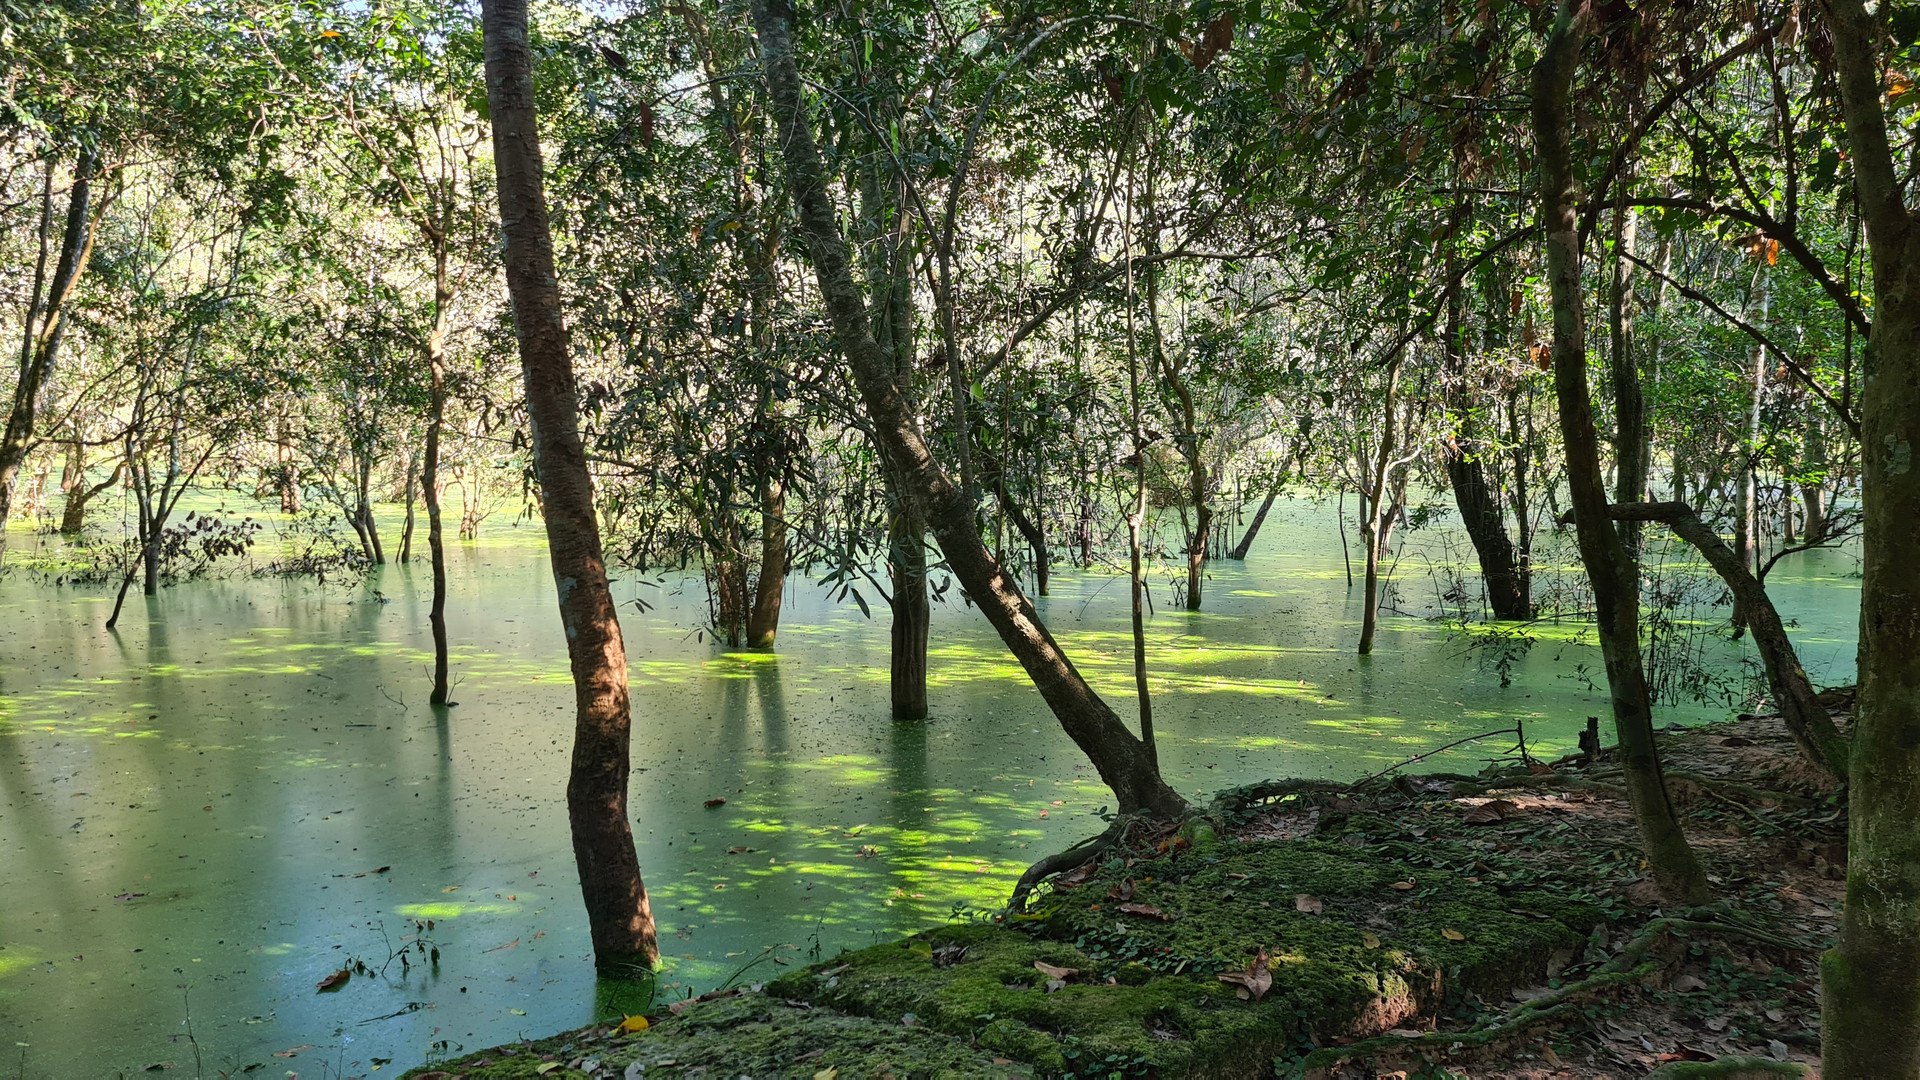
point(1441, 925)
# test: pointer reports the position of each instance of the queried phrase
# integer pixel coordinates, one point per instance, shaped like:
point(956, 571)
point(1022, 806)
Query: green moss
point(1350, 954)
point(751, 1035)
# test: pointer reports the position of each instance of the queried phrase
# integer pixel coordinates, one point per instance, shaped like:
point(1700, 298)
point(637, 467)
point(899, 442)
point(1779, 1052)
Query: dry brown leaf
point(1147, 910)
point(1403, 886)
point(1309, 904)
point(1122, 891)
point(1252, 983)
point(1452, 935)
point(1053, 972)
point(336, 980)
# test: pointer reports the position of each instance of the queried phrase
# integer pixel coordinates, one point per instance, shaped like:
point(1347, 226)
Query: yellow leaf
point(828, 1073)
point(518, 1012)
point(547, 1068)
point(1403, 886)
point(1453, 935)
point(1371, 941)
point(631, 1025)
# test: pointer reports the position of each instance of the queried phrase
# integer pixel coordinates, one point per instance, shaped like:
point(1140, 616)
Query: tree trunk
point(1870, 982)
point(618, 913)
point(46, 324)
point(912, 614)
point(406, 531)
point(1240, 549)
point(1610, 566)
point(1500, 572)
point(764, 622)
point(430, 494)
point(1793, 693)
point(1376, 509)
point(1629, 400)
point(1120, 758)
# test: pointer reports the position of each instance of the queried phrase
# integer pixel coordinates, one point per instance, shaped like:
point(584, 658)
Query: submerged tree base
point(1496, 923)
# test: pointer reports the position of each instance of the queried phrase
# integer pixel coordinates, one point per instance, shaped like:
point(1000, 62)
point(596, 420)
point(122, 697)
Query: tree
point(618, 912)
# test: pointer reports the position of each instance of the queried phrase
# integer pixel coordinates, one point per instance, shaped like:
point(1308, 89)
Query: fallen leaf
point(1406, 1033)
point(515, 943)
point(632, 1025)
point(1685, 1053)
point(1052, 972)
point(292, 1051)
point(335, 981)
point(1688, 983)
point(1492, 812)
point(1147, 910)
point(740, 851)
point(828, 1073)
point(129, 895)
point(711, 803)
point(1122, 891)
point(1309, 904)
point(1077, 876)
point(1370, 941)
point(1776, 1015)
point(547, 1068)
point(1252, 983)
point(1452, 935)
point(1776, 1050)
point(1403, 886)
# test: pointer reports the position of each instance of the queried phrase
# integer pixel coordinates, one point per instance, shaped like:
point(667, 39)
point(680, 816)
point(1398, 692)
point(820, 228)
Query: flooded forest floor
point(1489, 926)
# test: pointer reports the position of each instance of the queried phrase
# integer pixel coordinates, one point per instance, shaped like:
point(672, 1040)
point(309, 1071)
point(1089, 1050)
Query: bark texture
point(1610, 566)
point(1870, 982)
point(618, 913)
point(1120, 758)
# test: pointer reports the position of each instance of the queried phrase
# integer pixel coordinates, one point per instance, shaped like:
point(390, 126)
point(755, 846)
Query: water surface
point(208, 812)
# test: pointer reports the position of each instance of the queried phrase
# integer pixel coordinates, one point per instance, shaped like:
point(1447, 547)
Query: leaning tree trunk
point(1500, 571)
point(46, 326)
point(1240, 549)
point(1793, 692)
point(618, 913)
point(1870, 982)
point(1120, 758)
point(1610, 566)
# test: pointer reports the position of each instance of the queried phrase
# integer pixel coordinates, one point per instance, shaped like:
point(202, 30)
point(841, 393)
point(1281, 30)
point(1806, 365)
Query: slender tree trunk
point(1629, 400)
point(618, 913)
point(1870, 982)
point(1610, 566)
point(430, 483)
point(406, 531)
point(1813, 495)
point(1808, 721)
point(1245, 545)
point(1121, 759)
point(1377, 509)
point(46, 326)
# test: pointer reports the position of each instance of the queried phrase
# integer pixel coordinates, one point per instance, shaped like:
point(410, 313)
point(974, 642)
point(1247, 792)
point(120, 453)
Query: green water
point(192, 809)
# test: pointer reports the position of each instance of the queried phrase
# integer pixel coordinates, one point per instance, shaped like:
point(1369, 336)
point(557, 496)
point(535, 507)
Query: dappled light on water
point(244, 792)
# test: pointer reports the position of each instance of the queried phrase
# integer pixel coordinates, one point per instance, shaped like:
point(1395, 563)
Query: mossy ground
point(1145, 998)
point(1392, 912)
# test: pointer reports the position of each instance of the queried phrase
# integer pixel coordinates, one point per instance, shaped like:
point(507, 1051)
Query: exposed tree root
point(1071, 859)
